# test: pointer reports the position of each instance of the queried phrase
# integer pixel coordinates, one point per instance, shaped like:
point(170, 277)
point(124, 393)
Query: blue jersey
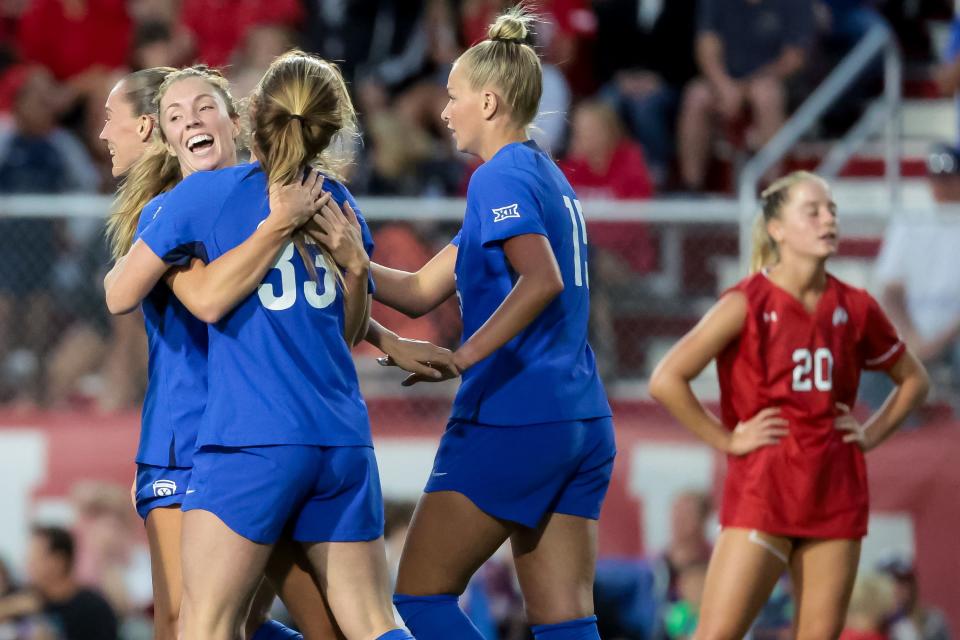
point(547, 372)
point(280, 369)
point(177, 373)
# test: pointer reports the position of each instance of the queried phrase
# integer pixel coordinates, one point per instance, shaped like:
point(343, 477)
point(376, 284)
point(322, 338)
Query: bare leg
point(221, 571)
point(744, 568)
point(355, 579)
point(823, 573)
point(449, 539)
point(163, 535)
point(556, 565)
point(291, 577)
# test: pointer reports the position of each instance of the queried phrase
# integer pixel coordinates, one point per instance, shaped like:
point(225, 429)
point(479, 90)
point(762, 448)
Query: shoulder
point(751, 287)
point(856, 301)
point(503, 174)
point(338, 190)
point(204, 190)
point(518, 161)
point(150, 211)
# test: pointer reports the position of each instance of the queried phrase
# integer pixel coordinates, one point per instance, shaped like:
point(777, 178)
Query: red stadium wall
point(915, 476)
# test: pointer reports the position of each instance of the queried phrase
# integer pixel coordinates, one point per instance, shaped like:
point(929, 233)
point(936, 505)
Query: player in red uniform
point(790, 343)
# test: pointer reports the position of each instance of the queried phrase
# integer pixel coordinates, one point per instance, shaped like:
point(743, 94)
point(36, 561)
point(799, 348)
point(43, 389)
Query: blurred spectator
point(680, 619)
point(870, 607)
point(603, 163)
point(91, 38)
point(36, 156)
point(924, 303)
point(261, 44)
point(219, 26)
point(158, 44)
point(911, 619)
point(564, 33)
point(688, 544)
point(53, 593)
point(846, 21)
point(746, 51)
point(644, 81)
point(105, 537)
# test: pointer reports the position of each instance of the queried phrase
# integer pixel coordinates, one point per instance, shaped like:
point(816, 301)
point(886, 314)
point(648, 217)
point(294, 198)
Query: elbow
point(117, 305)
point(659, 384)
point(207, 313)
point(551, 287)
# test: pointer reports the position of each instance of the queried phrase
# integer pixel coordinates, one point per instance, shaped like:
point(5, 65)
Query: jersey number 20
point(813, 370)
point(580, 275)
point(288, 285)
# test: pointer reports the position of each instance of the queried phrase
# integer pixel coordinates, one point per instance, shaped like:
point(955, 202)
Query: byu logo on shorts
point(164, 488)
point(511, 211)
point(840, 316)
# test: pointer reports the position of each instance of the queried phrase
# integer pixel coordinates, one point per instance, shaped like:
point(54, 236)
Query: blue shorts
point(160, 487)
point(312, 493)
point(522, 473)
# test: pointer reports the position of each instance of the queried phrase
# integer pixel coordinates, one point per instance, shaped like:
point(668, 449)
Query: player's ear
point(144, 127)
point(775, 229)
point(489, 104)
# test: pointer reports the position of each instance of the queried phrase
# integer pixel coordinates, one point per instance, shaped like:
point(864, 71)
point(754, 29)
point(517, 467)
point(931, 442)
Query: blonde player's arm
point(417, 293)
point(670, 382)
point(210, 291)
point(913, 384)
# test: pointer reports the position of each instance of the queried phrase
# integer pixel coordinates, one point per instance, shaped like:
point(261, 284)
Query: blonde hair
point(507, 62)
point(158, 170)
point(303, 116)
point(765, 252)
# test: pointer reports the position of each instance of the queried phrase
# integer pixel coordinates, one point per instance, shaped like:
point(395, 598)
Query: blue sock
point(582, 629)
point(435, 618)
point(396, 634)
point(273, 630)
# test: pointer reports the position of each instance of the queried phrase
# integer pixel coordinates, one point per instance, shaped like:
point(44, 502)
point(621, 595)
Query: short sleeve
point(181, 224)
point(456, 239)
point(507, 205)
point(880, 346)
point(366, 236)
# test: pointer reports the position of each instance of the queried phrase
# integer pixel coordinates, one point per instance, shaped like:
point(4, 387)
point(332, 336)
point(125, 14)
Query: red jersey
point(811, 483)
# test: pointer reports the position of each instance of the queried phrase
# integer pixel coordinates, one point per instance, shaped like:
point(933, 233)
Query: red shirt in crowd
point(71, 37)
point(626, 177)
point(219, 26)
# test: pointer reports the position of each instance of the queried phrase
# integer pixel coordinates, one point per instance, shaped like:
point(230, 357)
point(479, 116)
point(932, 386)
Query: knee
point(165, 622)
point(559, 607)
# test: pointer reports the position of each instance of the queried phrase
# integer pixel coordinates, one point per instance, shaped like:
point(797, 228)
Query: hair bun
point(512, 26)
